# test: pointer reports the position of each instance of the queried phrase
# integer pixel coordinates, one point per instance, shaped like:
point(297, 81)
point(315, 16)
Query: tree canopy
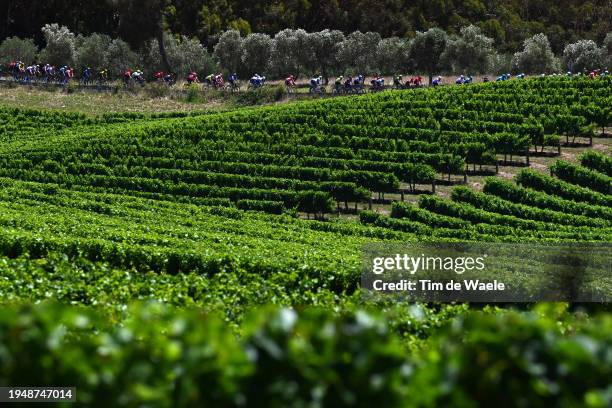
point(507, 22)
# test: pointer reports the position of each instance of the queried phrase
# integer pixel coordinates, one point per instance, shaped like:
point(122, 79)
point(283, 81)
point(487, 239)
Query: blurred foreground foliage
point(159, 355)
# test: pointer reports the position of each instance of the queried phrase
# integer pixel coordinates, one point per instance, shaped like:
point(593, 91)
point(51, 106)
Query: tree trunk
point(162, 49)
point(430, 79)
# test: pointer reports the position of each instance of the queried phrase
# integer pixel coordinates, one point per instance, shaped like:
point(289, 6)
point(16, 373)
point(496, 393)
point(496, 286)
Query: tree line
point(298, 52)
point(508, 22)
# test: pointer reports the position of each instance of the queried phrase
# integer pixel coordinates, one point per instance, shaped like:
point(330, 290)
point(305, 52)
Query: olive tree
point(536, 57)
point(290, 52)
point(607, 49)
point(256, 51)
point(583, 55)
point(184, 55)
point(120, 57)
point(391, 55)
point(228, 51)
point(358, 51)
point(60, 45)
point(17, 49)
point(471, 51)
point(324, 51)
point(426, 49)
point(92, 51)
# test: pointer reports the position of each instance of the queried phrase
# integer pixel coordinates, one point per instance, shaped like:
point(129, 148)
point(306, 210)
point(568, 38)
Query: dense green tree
point(256, 52)
point(583, 55)
point(471, 51)
point(607, 47)
point(91, 51)
point(184, 54)
point(290, 52)
point(17, 49)
point(228, 51)
point(141, 20)
point(426, 50)
point(508, 22)
point(60, 48)
point(120, 57)
point(358, 51)
point(324, 45)
point(392, 55)
point(536, 57)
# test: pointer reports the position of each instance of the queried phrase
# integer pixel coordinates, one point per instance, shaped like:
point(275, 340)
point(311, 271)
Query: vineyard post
point(527, 156)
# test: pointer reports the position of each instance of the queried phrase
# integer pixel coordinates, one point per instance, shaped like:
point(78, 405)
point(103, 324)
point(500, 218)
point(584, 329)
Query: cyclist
point(397, 82)
point(338, 84)
point(209, 79)
point(503, 77)
point(127, 77)
point(138, 76)
point(358, 83)
point(290, 83)
point(169, 78)
point(86, 75)
point(31, 73)
point(219, 81)
point(378, 83)
point(20, 70)
point(437, 81)
point(348, 83)
point(521, 76)
point(233, 82)
point(315, 83)
point(49, 72)
point(192, 78)
point(460, 80)
point(257, 80)
point(103, 75)
point(63, 72)
point(159, 76)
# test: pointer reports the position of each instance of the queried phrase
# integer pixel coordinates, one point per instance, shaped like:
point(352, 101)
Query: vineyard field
point(182, 225)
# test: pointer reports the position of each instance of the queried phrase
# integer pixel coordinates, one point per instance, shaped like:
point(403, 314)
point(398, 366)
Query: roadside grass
point(97, 103)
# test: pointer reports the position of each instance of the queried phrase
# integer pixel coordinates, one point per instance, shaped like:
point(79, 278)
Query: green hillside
point(272, 206)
